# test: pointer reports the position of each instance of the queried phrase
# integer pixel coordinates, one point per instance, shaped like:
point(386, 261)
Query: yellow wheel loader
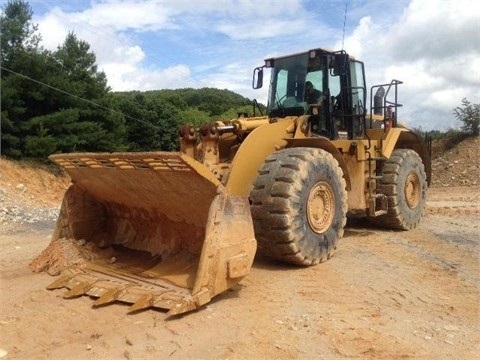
point(172, 230)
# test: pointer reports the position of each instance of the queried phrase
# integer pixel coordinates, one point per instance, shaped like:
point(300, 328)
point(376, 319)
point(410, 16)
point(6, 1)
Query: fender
point(258, 145)
point(411, 140)
point(328, 146)
point(388, 139)
point(402, 138)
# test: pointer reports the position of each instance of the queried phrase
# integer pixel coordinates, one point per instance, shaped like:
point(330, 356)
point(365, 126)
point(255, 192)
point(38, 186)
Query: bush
point(454, 137)
point(469, 115)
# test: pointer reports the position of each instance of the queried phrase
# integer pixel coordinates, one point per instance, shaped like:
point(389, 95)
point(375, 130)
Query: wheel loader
point(171, 230)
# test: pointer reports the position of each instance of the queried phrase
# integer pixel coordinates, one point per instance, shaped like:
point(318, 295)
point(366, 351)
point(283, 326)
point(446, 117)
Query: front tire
point(404, 182)
point(299, 205)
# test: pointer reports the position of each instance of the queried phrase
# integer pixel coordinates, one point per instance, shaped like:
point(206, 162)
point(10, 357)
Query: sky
point(433, 46)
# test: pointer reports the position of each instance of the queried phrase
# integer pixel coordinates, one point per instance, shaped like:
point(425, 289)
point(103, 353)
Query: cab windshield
point(290, 74)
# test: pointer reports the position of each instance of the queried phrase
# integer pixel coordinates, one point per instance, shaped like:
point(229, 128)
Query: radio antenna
point(344, 23)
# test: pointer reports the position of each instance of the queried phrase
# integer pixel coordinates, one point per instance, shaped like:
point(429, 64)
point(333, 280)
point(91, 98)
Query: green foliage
point(19, 53)
point(213, 102)
point(469, 116)
point(18, 32)
point(151, 122)
point(40, 146)
point(60, 102)
point(153, 117)
point(233, 113)
point(52, 101)
point(453, 137)
point(193, 116)
point(436, 134)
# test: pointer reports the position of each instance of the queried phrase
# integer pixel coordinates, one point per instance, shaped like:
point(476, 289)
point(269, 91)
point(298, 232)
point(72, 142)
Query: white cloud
point(435, 29)
point(431, 45)
point(125, 77)
point(361, 38)
point(433, 48)
point(134, 54)
point(53, 29)
point(105, 26)
point(123, 15)
point(269, 28)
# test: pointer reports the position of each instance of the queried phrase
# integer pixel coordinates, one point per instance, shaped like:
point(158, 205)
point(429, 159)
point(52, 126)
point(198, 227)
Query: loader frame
point(173, 230)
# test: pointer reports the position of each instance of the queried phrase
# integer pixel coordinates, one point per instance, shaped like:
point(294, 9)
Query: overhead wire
point(45, 4)
point(78, 97)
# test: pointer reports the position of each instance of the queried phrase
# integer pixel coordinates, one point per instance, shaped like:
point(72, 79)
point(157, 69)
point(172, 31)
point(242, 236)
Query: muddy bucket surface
point(153, 229)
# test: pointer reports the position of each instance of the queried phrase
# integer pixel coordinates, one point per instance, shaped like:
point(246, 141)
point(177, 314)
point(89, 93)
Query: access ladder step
point(378, 205)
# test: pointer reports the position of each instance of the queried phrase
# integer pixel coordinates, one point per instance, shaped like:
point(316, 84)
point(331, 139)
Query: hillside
point(457, 166)
point(33, 193)
point(38, 185)
point(29, 194)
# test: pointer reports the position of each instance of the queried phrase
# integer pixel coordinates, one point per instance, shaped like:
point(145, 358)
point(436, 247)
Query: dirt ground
point(383, 295)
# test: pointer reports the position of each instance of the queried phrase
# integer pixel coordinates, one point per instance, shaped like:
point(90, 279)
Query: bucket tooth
point(79, 289)
point(143, 302)
point(61, 282)
point(107, 297)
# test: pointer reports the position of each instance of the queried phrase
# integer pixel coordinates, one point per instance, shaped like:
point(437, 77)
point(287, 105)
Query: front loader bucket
point(152, 229)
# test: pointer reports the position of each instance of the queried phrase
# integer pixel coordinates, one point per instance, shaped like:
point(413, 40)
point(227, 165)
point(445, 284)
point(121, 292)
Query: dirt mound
point(57, 256)
point(31, 185)
point(30, 195)
point(458, 165)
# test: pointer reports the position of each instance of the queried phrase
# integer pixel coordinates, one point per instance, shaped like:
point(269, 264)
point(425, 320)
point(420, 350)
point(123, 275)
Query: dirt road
point(384, 295)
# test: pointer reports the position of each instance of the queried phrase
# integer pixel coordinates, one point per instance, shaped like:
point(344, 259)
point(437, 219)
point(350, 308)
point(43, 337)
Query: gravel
point(16, 214)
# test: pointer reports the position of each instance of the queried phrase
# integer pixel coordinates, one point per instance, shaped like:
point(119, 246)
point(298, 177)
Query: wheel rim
point(412, 190)
point(320, 207)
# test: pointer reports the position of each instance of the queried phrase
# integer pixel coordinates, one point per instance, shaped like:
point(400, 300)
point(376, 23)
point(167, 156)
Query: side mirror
point(257, 81)
point(340, 64)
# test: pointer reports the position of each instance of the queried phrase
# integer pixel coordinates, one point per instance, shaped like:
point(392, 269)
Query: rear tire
point(404, 182)
point(299, 205)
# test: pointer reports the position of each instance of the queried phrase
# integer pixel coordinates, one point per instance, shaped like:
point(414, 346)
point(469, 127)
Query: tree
point(153, 117)
point(60, 102)
point(20, 54)
point(193, 116)
point(79, 67)
point(151, 122)
point(81, 117)
point(52, 101)
point(469, 115)
point(18, 32)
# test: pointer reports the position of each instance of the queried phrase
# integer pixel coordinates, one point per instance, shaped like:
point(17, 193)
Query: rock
point(21, 187)
point(19, 213)
point(451, 327)
point(3, 193)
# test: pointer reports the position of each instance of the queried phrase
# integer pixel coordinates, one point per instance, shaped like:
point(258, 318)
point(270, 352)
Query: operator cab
point(338, 80)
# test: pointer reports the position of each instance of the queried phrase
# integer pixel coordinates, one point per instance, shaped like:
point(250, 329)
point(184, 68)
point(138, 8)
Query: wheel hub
point(320, 207)
point(412, 190)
